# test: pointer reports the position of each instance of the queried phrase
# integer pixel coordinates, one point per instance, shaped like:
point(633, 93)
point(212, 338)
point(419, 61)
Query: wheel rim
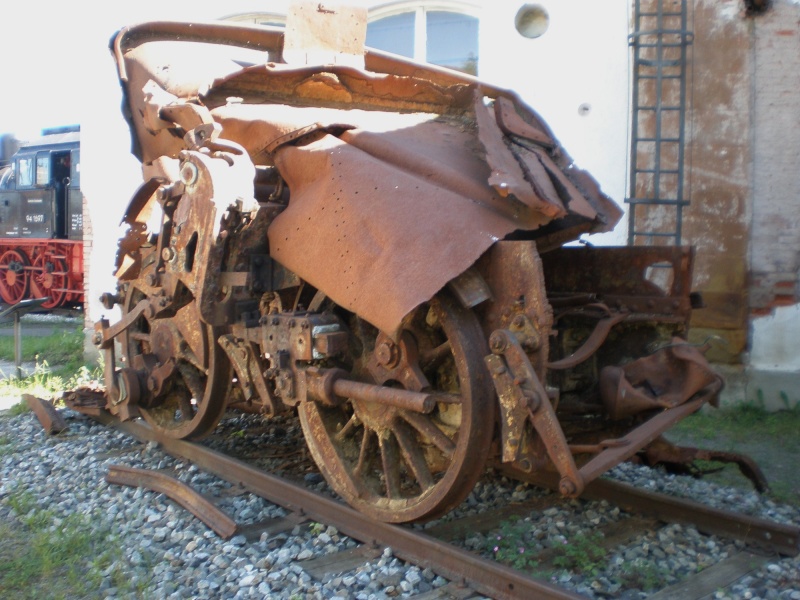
point(194, 397)
point(49, 279)
point(400, 466)
point(13, 276)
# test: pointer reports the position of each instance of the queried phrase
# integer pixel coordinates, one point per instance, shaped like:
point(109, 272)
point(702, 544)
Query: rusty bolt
point(275, 320)
point(168, 254)
point(498, 342)
point(304, 325)
point(518, 322)
point(534, 402)
point(567, 487)
point(109, 300)
point(189, 173)
point(151, 279)
point(387, 354)
point(291, 323)
point(513, 442)
point(97, 338)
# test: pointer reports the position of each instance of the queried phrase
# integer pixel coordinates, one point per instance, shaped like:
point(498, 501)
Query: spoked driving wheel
point(395, 464)
point(49, 280)
point(14, 276)
point(192, 400)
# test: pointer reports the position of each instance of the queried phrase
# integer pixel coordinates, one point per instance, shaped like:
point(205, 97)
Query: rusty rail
point(178, 491)
point(484, 576)
point(754, 531)
point(52, 421)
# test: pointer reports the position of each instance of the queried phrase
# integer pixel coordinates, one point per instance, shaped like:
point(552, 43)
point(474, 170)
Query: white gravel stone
point(173, 555)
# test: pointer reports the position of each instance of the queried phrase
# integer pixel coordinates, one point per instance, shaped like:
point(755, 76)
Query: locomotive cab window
point(75, 169)
point(25, 171)
point(43, 169)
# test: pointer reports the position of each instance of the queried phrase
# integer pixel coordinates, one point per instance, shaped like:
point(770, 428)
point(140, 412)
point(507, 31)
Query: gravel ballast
point(165, 552)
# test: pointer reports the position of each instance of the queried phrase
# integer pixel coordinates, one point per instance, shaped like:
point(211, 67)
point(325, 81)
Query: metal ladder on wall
point(657, 189)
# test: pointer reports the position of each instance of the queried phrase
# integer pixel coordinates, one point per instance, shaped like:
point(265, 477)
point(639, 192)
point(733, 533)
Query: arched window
point(442, 37)
point(442, 33)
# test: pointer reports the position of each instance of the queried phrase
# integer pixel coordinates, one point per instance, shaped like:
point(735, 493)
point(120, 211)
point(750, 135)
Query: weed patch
point(512, 544)
point(44, 556)
point(61, 347)
point(582, 554)
point(45, 382)
point(644, 575)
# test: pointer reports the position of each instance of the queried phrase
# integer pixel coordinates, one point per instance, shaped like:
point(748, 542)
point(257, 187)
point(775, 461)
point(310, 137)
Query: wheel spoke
point(424, 425)
point(421, 465)
point(413, 456)
point(348, 428)
point(390, 461)
point(363, 454)
point(430, 359)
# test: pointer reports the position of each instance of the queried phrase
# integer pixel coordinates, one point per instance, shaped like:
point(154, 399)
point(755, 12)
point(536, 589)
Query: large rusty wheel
point(394, 464)
point(14, 281)
point(193, 399)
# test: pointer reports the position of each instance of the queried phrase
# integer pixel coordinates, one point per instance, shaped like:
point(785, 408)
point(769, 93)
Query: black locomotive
point(41, 221)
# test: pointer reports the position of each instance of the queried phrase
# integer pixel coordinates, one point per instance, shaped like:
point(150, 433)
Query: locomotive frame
point(379, 250)
point(41, 221)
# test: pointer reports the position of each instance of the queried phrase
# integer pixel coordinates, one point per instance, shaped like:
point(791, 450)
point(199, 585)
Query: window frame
point(420, 8)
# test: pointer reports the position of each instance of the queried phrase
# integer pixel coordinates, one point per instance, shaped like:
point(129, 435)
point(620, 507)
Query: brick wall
point(775, 234)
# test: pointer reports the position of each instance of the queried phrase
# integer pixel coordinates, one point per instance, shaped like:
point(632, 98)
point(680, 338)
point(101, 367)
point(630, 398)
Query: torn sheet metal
point(399, 178)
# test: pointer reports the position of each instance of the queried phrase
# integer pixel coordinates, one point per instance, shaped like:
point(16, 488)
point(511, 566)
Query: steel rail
point(465, 568)
point(754, 531)
point(181, 493)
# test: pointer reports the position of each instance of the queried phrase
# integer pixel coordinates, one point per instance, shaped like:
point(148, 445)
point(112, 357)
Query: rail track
point(437, 547)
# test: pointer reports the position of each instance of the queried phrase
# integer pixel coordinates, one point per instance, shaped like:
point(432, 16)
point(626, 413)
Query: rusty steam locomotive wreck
point(380, 247)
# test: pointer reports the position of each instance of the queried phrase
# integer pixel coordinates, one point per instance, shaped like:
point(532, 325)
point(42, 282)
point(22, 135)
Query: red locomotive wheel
point(394, 464)
point(49, 280)
point(14, 276)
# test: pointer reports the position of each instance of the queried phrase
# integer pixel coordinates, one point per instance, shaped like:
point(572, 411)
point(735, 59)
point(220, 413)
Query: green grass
point(47, 383)
point(769, 438)
point(43, 556)
point(63, 347)
point(738, 424)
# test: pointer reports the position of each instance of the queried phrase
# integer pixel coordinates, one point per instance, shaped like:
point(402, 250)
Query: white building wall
point(576, 75)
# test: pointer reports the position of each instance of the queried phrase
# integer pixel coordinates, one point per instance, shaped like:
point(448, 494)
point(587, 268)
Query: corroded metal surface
point(52, 421)
point(347, 240)
point(178, 491)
